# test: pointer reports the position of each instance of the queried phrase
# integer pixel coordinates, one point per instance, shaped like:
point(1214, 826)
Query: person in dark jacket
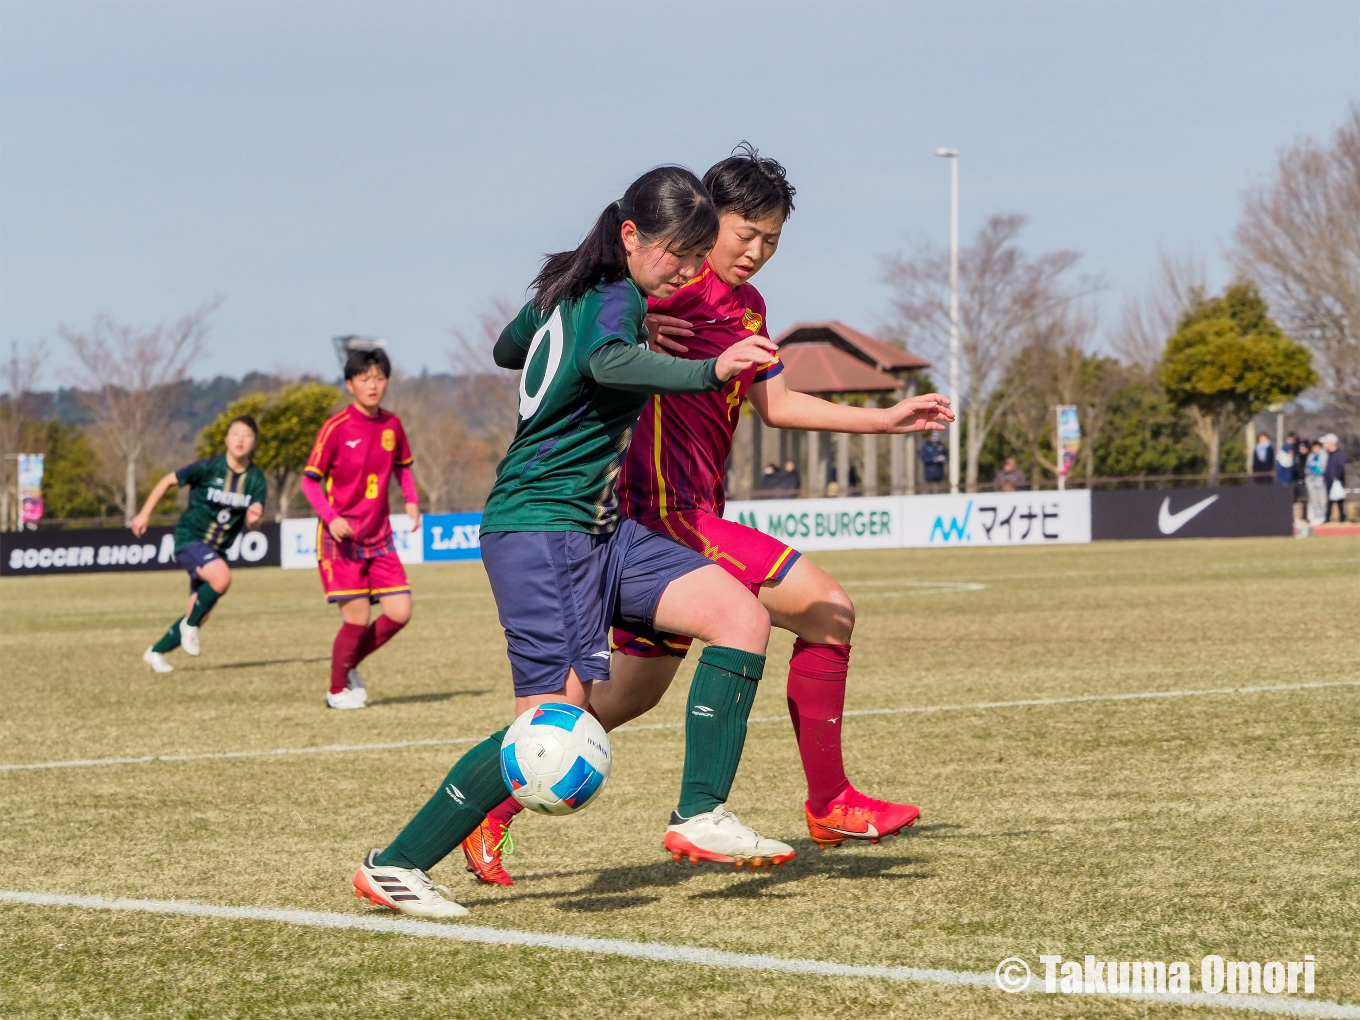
point(934, 456)
point(1284, 461)
point(1263, 460)
point(1334, 476)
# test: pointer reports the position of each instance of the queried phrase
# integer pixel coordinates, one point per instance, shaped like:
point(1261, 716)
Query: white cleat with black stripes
point(408, 891)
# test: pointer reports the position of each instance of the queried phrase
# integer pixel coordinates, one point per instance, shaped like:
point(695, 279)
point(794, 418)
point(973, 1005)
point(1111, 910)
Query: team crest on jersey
point(752, 321)
point(389, 440)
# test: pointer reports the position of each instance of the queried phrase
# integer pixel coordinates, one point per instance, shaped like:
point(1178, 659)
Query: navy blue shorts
point(193, 556)
point(559, 592)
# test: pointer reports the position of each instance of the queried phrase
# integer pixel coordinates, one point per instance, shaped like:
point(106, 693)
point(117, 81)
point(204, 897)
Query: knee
point(220, 583)
point(750, 625)
point(400, 615)
point(830, 619)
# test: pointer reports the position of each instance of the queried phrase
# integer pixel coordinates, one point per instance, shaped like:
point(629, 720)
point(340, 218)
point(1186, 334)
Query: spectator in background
point(1010, 478)
point(788, 479)
point(1262, 460)
point(1334, 477)
point(769, 477)
point(1314, 470)
point(1284, 461)
point(934, 456)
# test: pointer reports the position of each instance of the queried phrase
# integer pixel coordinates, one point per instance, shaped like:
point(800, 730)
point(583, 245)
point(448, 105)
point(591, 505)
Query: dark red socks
point(343, 654)
point(376, 634)
point(816, 702)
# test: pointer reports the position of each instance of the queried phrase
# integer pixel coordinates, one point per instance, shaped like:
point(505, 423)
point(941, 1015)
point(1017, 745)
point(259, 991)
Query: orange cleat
point(855, 816)
point(483, 850)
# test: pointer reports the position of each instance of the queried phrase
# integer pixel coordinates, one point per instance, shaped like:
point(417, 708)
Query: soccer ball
point(555, 758)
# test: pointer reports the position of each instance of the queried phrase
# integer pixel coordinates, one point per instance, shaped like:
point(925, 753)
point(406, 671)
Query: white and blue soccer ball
point(555, 758)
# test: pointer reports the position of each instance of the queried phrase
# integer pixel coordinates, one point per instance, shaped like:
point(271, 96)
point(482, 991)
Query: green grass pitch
point(1134, 829)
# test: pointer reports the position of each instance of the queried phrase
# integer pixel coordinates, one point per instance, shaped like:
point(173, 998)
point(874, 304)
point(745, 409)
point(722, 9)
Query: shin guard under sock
point(170, 639)
point(472, 788)
point(376, 634)
point(720, 701)
point(342, 654)
point(204, 599)
point(816, 704)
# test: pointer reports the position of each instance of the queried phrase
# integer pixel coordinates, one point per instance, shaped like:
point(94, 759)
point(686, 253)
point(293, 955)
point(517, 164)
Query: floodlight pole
point(953, 156)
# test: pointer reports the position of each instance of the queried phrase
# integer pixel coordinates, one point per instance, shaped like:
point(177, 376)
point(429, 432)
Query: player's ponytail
point(667, 204)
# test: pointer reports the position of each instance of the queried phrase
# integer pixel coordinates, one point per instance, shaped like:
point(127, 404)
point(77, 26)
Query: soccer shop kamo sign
point(976, 520)
point(104, 550)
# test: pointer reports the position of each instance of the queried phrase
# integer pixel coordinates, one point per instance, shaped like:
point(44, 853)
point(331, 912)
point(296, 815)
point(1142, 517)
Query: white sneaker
point(348, 698)
point(156, 661)
point(188, 637)
point(406, 890)
point(717, 836)
point(356, 683)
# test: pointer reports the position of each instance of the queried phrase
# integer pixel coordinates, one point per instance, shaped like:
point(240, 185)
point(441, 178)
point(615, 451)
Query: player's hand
point(413, 512)
point(660, 329)
point(253, 514)
point(340, 529)
point(139, 524)
point(929, 412)
point(754, 350)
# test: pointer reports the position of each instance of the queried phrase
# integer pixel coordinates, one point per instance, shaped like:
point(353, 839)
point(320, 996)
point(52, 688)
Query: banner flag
point(1069, 439)
point(30, 488)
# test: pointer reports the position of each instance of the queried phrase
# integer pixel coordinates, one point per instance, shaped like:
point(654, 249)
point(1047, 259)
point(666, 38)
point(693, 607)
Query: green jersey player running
point(563, 563)
point(226, 494)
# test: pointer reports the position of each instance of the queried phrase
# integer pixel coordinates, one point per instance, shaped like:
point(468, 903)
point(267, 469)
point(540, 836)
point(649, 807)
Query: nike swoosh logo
point(1169, 523)
point(871, 831)
point(486, 857)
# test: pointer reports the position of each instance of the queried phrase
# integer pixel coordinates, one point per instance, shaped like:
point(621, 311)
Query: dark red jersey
point(353, 459)
point(678, 455)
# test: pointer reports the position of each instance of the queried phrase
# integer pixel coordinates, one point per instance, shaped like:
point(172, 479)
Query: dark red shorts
point(348, 574)
point(751, 556)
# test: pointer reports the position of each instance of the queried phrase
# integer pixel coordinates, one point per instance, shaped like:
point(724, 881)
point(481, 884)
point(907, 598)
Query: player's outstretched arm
point(143, 519)
point(783, 408)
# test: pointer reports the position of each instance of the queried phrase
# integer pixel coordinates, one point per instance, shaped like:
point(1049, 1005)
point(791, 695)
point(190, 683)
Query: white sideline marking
point(908, 710)
point(659, 951)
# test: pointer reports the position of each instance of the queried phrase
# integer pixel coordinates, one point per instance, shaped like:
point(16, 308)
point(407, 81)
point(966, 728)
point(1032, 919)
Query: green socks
point(169, 640)
point(472, 788)
point(204, 600)
point(720, 701)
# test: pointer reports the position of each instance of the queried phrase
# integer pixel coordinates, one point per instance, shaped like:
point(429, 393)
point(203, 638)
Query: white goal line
point(645, 727)
point(658, 951)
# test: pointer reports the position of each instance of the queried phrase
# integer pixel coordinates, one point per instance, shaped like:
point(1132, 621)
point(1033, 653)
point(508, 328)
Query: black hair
point(248, 421)
point(667, 203)
point(750, 185)
point(360, 361)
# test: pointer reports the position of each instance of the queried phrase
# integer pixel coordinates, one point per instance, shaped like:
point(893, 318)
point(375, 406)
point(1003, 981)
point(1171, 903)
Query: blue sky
point(392, 168)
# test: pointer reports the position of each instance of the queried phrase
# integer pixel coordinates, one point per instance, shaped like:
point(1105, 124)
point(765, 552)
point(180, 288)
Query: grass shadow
point(253, 665)
point(423, 699)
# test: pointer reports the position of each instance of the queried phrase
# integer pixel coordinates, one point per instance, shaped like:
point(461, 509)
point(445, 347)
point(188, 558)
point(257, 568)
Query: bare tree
point(128, 378)
point(21, 371)
point(1149, 318)
point(1052, 368)
point(488, 396)
point(1005, 295)
point(1299, 239)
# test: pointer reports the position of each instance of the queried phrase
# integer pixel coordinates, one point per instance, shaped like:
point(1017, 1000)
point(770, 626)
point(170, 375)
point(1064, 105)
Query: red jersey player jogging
point(357, 452)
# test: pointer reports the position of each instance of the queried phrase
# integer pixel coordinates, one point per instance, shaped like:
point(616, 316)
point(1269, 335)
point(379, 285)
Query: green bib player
point(226, 494)
point(562, 562)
